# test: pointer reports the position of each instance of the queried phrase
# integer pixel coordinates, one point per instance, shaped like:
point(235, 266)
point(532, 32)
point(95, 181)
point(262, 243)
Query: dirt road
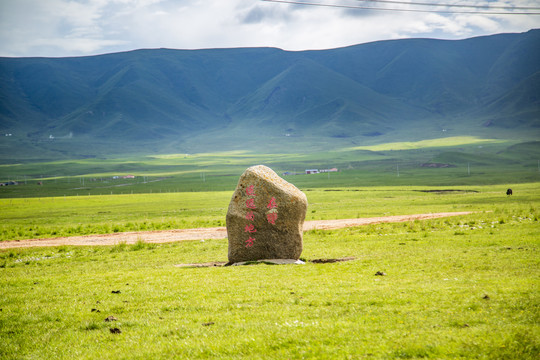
point(165, 236)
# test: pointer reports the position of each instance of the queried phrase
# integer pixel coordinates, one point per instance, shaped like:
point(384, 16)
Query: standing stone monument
point(265, 217)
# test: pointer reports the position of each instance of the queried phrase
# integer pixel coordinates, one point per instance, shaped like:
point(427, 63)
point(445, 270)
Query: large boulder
point(265, 217)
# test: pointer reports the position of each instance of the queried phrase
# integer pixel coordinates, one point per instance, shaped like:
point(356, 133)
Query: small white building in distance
point(317, 171)
point(328, 170)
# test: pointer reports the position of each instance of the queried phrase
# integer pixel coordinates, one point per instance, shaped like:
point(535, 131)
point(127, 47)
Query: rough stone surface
point(265, 217)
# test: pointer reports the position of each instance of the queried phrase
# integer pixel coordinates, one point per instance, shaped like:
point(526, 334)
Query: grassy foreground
point(460, 287)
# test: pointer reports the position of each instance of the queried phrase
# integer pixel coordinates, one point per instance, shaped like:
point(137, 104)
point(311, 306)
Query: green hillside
point(265, 99)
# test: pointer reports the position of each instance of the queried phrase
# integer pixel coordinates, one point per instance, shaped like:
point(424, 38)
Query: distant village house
point(317, 171)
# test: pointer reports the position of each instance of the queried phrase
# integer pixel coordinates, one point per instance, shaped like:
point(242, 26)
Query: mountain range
point(164, 100)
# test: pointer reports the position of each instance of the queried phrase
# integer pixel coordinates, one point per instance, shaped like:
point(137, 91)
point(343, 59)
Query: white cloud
point(82, 27)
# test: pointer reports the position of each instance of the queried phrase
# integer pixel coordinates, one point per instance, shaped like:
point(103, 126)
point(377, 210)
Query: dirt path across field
point(164, 236)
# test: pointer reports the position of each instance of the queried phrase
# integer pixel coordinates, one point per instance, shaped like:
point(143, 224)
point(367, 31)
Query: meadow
point(26, 218)
point(460, 287)
point(460, 160)
point(89, 196)
point(457, 287)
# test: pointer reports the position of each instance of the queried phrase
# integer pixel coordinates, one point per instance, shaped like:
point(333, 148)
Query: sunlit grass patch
point(431, 143)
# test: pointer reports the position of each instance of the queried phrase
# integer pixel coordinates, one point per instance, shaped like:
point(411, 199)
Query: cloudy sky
point(87, 27)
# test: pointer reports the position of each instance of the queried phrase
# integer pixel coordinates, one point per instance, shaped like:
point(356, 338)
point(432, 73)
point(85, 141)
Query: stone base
point(271, 262)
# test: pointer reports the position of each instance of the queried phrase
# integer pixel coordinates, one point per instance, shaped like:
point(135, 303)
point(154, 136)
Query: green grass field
point(469, 161)
point(46, 217)
point(458, 287)
point(461, 287)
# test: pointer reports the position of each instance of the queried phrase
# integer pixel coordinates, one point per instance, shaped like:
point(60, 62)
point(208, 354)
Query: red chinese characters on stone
point(250, 228)
point(250, 215)
point(272, 204)
point(272, 214)
point(249, 242)
point(250, 203)
point(250, 191)
point(272, 217)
